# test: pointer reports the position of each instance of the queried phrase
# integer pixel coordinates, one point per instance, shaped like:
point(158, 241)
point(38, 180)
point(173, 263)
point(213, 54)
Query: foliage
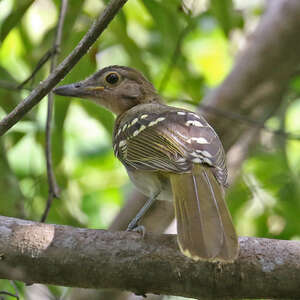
point(184, 57)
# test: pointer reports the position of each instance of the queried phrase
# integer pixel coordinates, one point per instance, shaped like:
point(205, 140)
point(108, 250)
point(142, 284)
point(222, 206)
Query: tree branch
point(11, 86)
point(250, 122)
point(260, 76)
point(69, 62)
point(53, 188)
point(62, 255)
point(50, 53)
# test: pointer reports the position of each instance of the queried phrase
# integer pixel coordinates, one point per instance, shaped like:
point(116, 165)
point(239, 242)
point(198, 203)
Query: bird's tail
point(204, 225)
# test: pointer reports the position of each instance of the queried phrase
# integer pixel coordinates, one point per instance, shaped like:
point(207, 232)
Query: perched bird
point(170, 154)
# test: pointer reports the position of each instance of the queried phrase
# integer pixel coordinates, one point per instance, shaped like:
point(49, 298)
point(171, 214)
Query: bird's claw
point(137, 228)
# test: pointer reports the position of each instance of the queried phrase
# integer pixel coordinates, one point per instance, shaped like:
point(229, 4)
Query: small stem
point(54, 190)
point(50, 53)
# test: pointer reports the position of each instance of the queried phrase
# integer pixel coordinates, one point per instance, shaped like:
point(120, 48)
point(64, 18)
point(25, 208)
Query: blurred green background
point(184, 55)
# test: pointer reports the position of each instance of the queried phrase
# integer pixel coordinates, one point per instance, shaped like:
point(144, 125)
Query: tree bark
point(260, 76)
point(62, 255)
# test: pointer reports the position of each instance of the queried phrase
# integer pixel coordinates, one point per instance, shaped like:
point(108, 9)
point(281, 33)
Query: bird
point(170, 154)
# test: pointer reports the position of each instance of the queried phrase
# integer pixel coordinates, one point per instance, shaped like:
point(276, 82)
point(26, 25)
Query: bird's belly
point(152, 183)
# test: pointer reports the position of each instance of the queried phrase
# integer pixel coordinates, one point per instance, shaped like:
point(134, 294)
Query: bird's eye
point(112, 78)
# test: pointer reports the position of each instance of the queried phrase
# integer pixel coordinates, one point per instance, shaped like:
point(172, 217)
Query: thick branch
point(38, 93)
point(262, 71)
point(63, 255)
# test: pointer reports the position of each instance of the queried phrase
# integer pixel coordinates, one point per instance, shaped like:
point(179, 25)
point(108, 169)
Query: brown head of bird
point(116, 88)
point(169, 154)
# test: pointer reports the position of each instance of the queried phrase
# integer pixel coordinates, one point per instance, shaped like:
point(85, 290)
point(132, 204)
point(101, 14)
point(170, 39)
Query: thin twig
point(11, 86)
point(63, 68)
point(9, 294)
point(50, 53)
point(244, 119)
point(53, 188)
point(13, 284)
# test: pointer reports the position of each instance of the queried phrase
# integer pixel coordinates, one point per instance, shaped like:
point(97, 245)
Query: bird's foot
point(137, 228)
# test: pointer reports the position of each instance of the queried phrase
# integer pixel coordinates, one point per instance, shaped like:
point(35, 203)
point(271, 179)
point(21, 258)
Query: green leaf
point(61, 110)
point(223, 11)
point(132, 49)
point(273, 172)
point(8, 99)
point(11, 200)
point(99, 113)
point(295, 84)
point(73, 12)
point(14, 17)
point(167, 20)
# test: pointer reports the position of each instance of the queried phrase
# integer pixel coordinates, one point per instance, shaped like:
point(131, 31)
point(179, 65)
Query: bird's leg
point(133, 225)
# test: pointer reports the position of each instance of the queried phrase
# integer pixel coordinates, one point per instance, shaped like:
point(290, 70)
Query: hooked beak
point(79, 89)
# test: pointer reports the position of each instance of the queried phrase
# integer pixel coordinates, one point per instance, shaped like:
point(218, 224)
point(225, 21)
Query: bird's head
point(116, 88)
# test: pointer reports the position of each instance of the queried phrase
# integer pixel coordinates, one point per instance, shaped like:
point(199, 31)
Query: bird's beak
point(82, 89)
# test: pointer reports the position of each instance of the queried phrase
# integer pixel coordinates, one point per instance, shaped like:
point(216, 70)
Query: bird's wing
point(169, 141)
